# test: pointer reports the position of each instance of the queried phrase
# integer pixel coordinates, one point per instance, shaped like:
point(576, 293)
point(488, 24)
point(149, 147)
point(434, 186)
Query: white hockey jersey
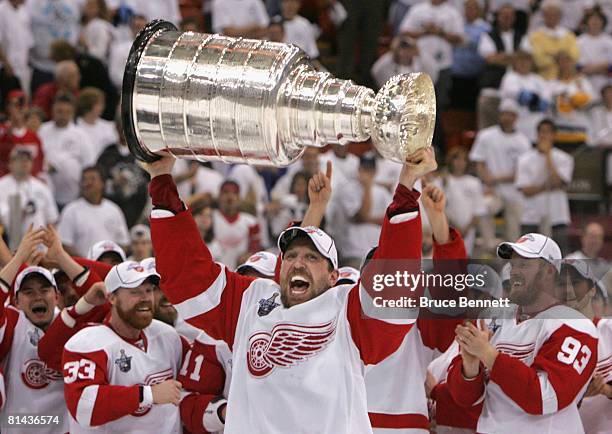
point(596, 411)
point(295, 370)
point(544, 366)
point(102, 374)
point(31, 387)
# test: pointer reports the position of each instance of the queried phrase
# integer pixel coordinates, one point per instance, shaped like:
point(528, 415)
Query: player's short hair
point(96, 169)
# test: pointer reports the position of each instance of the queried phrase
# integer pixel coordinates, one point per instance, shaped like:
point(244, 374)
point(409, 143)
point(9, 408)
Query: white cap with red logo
point(102, 247)
point(129, 274)
point(262, 262)
point(347, 275)
point(323, 242)
point(532, 246)
point(29, 271)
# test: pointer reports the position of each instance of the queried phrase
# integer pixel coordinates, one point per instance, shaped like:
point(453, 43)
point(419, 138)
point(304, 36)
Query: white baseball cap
point(492, 281)
point(263, 262)
point(102, 247)
point(533, 246)
point(509, 105)
point(584, 269)
point(28, 271)
point(323, 242)
point(129, 274)
point(149, 264)
point(347, 275)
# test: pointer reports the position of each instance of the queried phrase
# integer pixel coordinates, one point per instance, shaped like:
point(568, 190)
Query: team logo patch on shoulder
point(124, 363)
point(267, 305)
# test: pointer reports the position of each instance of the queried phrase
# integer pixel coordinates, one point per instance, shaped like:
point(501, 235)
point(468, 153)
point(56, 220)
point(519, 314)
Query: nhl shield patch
point(124, 363)
point(267, 305)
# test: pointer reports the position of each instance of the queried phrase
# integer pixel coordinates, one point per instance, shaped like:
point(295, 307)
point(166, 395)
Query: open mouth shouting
point(299, 285)
point(39, 309)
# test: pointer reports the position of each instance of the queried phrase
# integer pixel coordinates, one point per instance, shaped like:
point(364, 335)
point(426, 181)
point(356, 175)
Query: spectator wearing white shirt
point(67, 148)
point(601, 119)
point(465, 202)
point(543, 175)
point(91, 218)
point(596, 50)
point(16, 41)
point(291, 208)
point(98, 33)
point(34, 199)
point(51, 20)
point(246, 18)
point(530, 90)
point(298, 30)
point(90, 106)
point(237, 233)
point(196, 181)
point(253, 195)
point(496, 151)
point(309, 163)
point(361, 206)
point(403, 57)
point(342, 161)
point(573, 94)
point(119, 52)
point(168, 10)
point(437, 26)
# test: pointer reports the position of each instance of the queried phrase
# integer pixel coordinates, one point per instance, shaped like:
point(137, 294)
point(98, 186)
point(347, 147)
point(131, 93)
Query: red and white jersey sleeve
point(205, 377)
point(206, 294)
point(544, 366)
point(70, 321)
point(390, 408)
point(30, 386)
point(596, 411)
point(103, 374)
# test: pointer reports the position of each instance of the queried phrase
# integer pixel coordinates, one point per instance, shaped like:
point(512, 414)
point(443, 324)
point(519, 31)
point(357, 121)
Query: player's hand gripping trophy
point(212, 97)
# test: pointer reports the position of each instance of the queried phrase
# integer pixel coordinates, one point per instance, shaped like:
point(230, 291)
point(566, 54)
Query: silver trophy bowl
point(212, 97)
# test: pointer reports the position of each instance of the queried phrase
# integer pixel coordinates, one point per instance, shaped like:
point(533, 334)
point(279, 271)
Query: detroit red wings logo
point(286, 346)
point(36, 375)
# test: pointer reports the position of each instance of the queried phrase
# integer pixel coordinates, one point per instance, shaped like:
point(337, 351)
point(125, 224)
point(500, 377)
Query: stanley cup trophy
point(212, 97)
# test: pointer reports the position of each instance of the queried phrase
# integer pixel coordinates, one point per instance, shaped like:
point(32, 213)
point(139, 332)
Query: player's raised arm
point(400, 238)
point(205, 293)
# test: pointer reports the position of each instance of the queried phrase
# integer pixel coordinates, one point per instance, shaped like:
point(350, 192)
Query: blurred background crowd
point(523, 132)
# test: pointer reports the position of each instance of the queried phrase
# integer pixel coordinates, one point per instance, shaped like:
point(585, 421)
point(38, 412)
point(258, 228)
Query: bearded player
point(299, 347)
point(130, 361)
point(540, 356)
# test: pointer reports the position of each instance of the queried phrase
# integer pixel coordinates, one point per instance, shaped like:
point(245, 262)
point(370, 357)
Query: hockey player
point(130, 360)
point(291, 339)
point(31, 387)
point(540, 355)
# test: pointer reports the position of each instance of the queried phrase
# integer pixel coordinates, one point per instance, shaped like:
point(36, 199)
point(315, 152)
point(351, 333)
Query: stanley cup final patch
point(124, 363)
point(267, 305)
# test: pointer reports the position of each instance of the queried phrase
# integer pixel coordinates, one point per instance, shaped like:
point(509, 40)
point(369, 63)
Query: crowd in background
point(536, 74)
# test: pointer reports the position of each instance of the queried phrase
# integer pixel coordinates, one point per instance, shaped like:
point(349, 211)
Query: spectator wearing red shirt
point(17, 134)
point(67, 80)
